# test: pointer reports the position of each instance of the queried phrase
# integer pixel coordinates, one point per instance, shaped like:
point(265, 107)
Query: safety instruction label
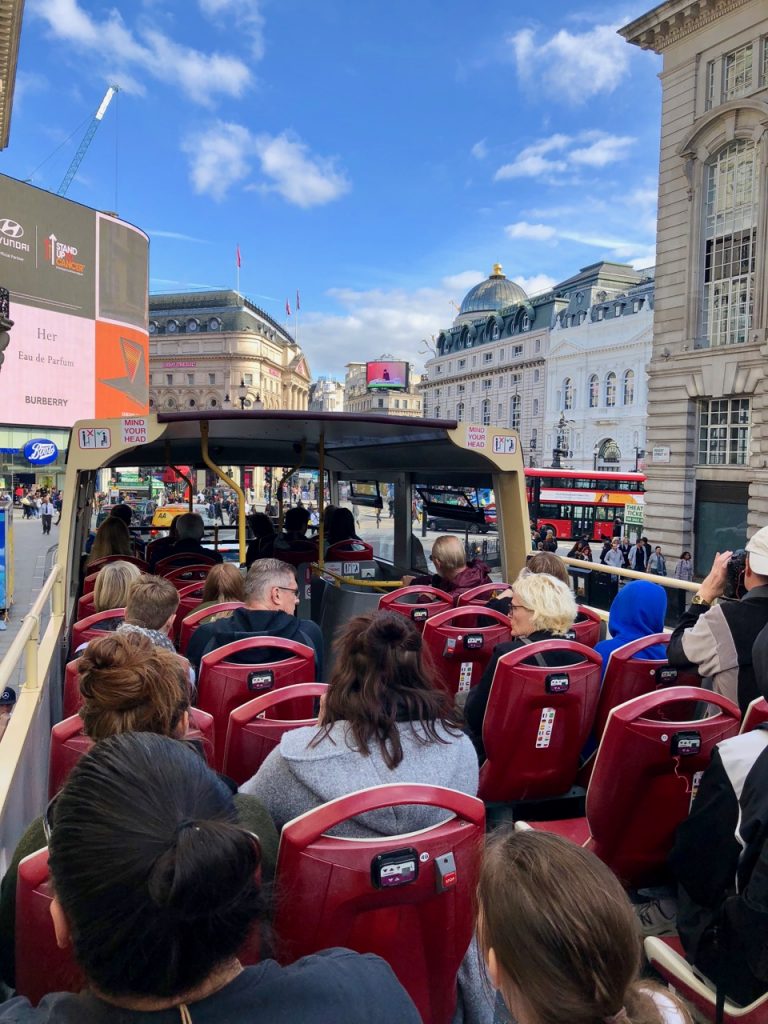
point(546, 723)
point(95, 437)
point(465, 676)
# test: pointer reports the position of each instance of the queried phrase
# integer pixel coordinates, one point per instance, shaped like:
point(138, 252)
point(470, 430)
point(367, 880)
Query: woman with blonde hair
point(224, 582)
point(112, 538)
point(541, 608)
point(112, 584)
point(560, 937)
point(127, 685)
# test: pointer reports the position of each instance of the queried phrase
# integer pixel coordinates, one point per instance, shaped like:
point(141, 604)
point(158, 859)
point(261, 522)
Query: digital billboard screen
point(77, 279)
point(391, 374)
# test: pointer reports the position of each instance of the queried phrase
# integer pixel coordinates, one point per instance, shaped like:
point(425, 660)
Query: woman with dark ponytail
point(560, 937)
point(384, 720)
point(156, 890)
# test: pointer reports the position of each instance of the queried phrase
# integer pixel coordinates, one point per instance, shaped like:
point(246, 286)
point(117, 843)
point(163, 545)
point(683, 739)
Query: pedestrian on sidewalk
point(46, 511)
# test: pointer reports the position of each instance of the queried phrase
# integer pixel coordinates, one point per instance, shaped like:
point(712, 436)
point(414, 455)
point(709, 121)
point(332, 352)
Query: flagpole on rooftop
point(237, 265)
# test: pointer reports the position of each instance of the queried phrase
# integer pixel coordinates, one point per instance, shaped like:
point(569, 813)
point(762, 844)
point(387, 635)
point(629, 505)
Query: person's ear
point(167, 627)
point(60, 925)
point(493, 968)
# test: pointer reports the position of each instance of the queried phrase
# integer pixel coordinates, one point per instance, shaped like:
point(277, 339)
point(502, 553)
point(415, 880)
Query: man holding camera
point(717, 639)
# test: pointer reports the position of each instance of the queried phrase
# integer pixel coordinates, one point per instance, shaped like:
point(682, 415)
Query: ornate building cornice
point(672, 21)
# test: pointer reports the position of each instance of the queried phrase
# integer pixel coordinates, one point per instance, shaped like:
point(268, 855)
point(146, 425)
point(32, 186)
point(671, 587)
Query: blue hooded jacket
point(638, 610)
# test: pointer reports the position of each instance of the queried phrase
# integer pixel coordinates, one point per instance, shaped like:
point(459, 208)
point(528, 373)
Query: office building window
point(610, 389)
point(485, 411)
point(515, 406)
point(211, 378)
point(460, 411)
point(724, 432)
point(730, 228)
point(594, 391)
point(488, 357)
point(169, 379)
point(567, 393)
point(629, 388)
point(737, 73)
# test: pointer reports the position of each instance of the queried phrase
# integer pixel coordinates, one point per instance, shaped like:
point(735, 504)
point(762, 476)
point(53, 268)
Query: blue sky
point(378, 158)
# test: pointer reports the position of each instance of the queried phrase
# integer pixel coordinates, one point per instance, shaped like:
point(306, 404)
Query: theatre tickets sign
point(77, 278)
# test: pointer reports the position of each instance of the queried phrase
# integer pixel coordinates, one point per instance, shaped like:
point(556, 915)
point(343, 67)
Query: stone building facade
point(357, 397)
point(214, 350)
point(326, 395)
point(596, 381)
point(707, 406)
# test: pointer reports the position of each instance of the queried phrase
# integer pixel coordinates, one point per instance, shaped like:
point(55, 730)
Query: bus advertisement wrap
point(389, 374)
point(78, 298)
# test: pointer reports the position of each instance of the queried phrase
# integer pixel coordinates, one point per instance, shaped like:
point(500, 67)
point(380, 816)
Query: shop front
point(31, 457)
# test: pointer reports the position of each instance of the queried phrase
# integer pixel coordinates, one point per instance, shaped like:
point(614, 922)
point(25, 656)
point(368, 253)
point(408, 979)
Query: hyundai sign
point(40, 452)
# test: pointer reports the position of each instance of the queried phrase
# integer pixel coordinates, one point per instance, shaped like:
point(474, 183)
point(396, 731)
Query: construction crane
point(87, 139)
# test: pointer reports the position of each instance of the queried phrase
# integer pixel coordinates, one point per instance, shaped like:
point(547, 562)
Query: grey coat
point(297, 777)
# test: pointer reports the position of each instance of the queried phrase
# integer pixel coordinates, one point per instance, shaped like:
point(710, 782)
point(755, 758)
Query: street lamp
point(560, 449)
point(532, 456)
point(595, 453)
point(242, 393)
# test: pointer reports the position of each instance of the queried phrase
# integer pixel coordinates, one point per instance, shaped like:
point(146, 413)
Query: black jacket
point(477, 701)
point(247, 622)
point(716, 849)
point(718, 642)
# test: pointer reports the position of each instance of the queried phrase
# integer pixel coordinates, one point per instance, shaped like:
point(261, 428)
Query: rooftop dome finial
point(498, 270)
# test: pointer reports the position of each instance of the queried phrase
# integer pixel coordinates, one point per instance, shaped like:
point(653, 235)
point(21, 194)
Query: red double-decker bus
point(577, 503)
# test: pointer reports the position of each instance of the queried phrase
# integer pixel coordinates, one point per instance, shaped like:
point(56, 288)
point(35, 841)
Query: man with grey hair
point(271, 596)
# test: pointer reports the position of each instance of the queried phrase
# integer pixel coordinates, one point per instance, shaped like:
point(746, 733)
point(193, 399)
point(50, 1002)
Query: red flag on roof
point(237, 257)
point(298, 304)
point(287, 307)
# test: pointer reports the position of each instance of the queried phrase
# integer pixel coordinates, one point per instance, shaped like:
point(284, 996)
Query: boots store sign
point(40, 452)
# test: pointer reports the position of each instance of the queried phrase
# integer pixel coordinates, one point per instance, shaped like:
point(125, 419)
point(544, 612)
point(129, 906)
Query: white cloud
point(536, 284)
point(535, 232)
point(572, 65)
point(27, 83)
point(176, 236)
point(219, 158)
point(558, 154)
point(480, 150)
point(297, 175)
point(222, 155)
point(464, 280)
point(604, 151)
point(130, 55)
point(246, 16)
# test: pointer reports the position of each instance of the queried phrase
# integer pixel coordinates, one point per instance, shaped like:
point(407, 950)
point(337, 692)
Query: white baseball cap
point(758, 552)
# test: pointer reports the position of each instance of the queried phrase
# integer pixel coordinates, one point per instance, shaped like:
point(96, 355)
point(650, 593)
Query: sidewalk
point(32, 560)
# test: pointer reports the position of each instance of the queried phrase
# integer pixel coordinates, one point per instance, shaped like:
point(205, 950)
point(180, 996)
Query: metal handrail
point(632, 574)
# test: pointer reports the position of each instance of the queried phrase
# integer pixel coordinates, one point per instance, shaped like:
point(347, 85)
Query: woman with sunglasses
point(127, 684)
point(540, 608)
point(156, 890)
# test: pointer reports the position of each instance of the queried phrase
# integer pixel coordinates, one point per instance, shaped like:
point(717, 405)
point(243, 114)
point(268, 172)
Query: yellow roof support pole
point(204, 425)
point(321, 500)
point(178, 472)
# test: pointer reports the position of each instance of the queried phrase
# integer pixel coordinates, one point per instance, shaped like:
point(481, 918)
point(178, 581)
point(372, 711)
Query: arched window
point(535, 407)
point(629, 387)
point(594, 391)
point(460, 412)
point(610, 389)
point(515, 406)
point(485, 412)
point(730, 228)
point(567, 393)
point(495, 331)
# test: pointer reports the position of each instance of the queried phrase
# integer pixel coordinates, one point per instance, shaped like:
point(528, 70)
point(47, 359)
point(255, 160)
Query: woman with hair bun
point(156, 890)
point(384, 720)
point(560, 937)
point(127, 684)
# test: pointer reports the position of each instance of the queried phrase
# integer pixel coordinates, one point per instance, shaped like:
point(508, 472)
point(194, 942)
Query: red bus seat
point(89, 583)
point(298, 554)
point(587, 628)
point(183, 575)
point(98, 563)
point(224, 685)
point(251, 736)
point(536, 723)
point(756, 714)
point(627, 676)
point(482, 594)
point(85, 606)
point(407, 898)
point(41, 967)
point(71, 699)
point(190, 596)
point(88, 629)
point(416, 603)
point(664, 956)
point(197, 616)
point(349, 551)
point(460, 648)
point(182, 559)
point(69, 743)
point(646, 772)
